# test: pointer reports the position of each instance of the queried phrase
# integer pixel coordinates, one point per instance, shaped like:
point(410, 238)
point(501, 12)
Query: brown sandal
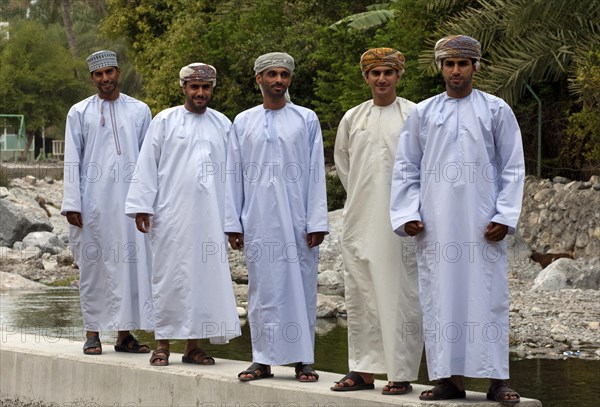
point(160, 354)
point(445, 389)
point(498, 392)
point(204, 358)
point(397, 385)
point(131, 345)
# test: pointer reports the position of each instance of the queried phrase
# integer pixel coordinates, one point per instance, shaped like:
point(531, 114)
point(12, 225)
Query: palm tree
point(524, 41)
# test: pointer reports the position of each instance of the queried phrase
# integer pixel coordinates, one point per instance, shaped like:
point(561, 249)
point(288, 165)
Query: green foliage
point(336, 194)
point(340, 84)
point(4, 181)
point(524, 42)
point(583, 132)
point(37, 76)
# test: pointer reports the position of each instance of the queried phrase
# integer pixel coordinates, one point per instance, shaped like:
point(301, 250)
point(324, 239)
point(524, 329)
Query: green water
point(56, 313)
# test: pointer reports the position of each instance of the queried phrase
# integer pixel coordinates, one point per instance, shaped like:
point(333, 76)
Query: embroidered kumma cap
point(102, 59)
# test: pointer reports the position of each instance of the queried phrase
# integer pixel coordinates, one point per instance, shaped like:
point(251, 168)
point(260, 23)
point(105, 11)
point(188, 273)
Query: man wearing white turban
point(457, 188)
point(102, 140)
point(179, 199)
point(276, 210)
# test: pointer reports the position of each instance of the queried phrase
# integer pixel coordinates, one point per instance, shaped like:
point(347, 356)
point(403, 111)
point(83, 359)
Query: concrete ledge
point(48, 371)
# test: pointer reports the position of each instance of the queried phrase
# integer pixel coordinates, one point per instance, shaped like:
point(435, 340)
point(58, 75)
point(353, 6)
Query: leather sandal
point(257, 371)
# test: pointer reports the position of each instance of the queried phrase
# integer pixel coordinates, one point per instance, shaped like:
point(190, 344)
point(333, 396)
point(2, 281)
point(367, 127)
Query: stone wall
point(562, 216)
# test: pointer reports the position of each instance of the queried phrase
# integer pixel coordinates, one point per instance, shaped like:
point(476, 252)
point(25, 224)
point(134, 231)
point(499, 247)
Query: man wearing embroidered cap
point(103, 136)
point(179, 200)
point(457, 188)
point(382, 301)
point(276, 210)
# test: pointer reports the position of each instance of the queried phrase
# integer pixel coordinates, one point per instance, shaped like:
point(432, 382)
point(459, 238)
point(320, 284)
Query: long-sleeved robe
point(275, 197)
point(102, 143)
point(181, 184)
point(384, 316)
point(459, 166)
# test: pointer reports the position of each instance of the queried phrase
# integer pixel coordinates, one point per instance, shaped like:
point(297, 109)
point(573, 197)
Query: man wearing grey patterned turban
point(276, 210)
point(382, 295)
point(103, 137)
point(457, 188)
point(178, 200)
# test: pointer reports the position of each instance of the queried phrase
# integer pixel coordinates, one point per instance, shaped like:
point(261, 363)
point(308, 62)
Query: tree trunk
point(66, 15)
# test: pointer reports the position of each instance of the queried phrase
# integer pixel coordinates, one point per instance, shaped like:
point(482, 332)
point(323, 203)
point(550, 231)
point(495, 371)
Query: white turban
point(274, 60)
point(102, 59)
point(198, 72)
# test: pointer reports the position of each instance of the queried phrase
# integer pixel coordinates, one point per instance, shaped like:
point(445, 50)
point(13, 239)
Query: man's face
point(106, 80)
point(197, 95)
point(458, 75)
point(383, 81)
point(274, 82)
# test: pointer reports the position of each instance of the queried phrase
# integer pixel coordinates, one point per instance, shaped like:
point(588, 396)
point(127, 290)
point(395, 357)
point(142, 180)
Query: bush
point(336, 194)
point(4, 181)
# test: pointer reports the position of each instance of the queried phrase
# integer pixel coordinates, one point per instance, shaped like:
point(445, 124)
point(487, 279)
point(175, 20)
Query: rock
point(594, 325)
point(45, 241)
point(10, 281)
point(332, 281)
point(327, 305)
point(4, 192)
point(560, 180)
point(564, 273)
point(19, 219)
point(242, 313)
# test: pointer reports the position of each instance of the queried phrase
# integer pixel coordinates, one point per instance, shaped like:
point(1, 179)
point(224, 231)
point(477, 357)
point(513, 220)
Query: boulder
point(565, 273)
point(19, 219)
point(10, 281)
point(46, 242)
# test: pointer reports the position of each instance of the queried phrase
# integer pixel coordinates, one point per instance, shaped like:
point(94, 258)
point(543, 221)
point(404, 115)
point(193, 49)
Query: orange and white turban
point(457, 46)
point(387, 57)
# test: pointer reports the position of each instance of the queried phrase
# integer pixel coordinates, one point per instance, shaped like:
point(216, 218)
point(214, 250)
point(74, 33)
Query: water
point(56, 313)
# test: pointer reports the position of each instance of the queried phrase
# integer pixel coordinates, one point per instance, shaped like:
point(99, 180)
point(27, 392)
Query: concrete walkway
point(46, 371)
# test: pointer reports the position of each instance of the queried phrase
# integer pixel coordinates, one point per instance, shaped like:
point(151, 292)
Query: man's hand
point(236, 240)
point(74, 218)
point(414, 227)
point(142, 222)
point(495, 232)
point(314, 239)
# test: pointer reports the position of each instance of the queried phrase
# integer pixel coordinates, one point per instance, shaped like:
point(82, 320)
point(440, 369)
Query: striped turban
point(387, 57)
point(274, 60)
point(198, 72)
point(457, 46)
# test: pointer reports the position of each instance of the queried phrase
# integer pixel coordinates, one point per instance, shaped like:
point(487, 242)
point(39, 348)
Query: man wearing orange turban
point(384, 317)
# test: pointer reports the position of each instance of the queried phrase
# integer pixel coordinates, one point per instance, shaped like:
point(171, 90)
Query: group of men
point(432, 190)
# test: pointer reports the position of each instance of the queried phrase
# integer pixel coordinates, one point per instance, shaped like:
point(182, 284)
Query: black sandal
point(131, 345)
point(204, 358)
point(305, 370)
point(499, 390)
point(445, 389)
point(397, 385)
point(359, 383)
point(264, 372)
point(92, 341)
